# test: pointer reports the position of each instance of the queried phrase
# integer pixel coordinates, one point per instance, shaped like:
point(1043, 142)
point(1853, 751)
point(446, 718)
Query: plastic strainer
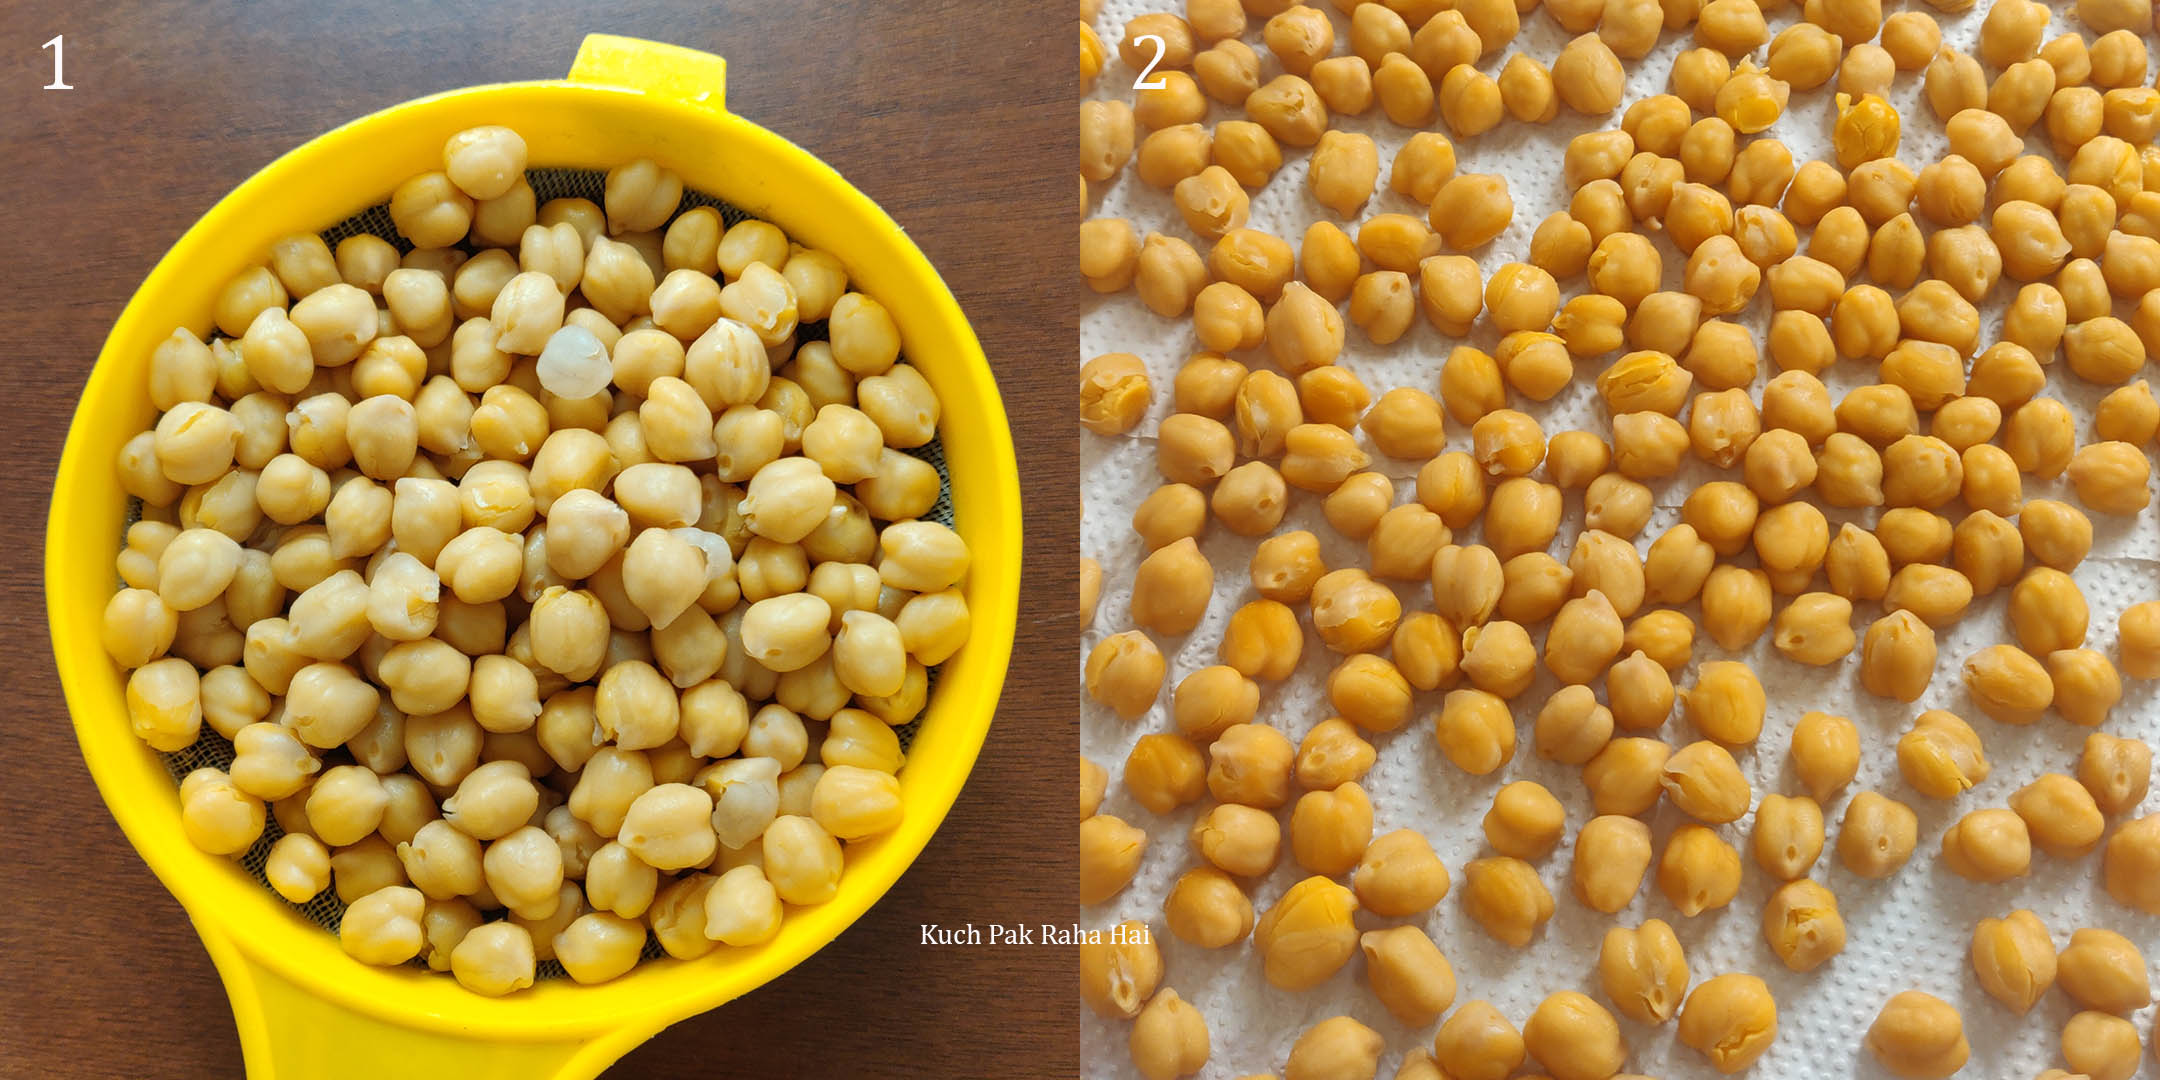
point(303, 1008)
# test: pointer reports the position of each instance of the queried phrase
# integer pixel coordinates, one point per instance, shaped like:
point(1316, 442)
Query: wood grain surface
point(956, 117)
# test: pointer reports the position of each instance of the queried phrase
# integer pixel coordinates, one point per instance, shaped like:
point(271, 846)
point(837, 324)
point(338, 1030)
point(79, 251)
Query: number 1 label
point(59, 78)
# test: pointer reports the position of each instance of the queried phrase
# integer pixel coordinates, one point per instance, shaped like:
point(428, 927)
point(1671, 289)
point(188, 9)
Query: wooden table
point(958, 122)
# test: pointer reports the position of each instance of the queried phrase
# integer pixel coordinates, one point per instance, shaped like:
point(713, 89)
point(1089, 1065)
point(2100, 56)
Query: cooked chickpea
point(1918, 1035)
point(1730, 1019)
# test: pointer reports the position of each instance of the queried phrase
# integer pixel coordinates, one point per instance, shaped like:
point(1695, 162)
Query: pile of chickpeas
point(2046, 206)
point(552, 593)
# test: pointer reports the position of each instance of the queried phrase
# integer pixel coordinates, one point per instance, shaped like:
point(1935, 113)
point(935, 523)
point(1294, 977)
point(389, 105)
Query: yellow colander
point(305, 1009)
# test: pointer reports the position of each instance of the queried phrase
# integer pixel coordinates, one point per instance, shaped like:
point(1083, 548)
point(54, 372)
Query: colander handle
point(686, 75)
point(293, 1032)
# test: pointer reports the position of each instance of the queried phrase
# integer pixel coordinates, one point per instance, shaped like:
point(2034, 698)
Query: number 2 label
point(59, 78)
point(1143, 82)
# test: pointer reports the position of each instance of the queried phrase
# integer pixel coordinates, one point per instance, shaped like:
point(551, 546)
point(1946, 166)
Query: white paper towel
point(1910, 931)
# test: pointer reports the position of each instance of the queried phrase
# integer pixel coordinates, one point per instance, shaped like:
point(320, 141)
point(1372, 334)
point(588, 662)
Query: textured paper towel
point(1910, 931)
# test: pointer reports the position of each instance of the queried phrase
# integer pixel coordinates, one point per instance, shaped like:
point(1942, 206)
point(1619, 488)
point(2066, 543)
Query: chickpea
point(1698, 871)
point(1307, 935)
point(1290, 109)
point(217, 816)
point(2014, 959)
point(2097, 1044)
point(1573, 1036)
point(1804, 55)
point(1626, 776)
point(2127, 865)
point(1505, 898)
point(1697, 75)
point(1109, 855)
point(1399, 875)
point(1527, 90)
point(2060, 814)
point(1703, 781)
point(1125, 672)
point(1109, 254)
point(1572, 727)
point(1207, 385)
point(1525, 821)
point(1193, 449)
point(2138, 640)
point(2087, 686)
point(2115, 771)
point(1120, 973)
point(298, 867)
point(1802, 925)
point(2128, 414)
point(1106, 138)
point(1825, 751)
point(1643, 971)
point(1228, 70)
point(1731, 1019)
point(1897, 656)
point(1733, 27)
point(2103, 970)
point(1989, 845)
point(1918, 1035)
point(1169, 1038)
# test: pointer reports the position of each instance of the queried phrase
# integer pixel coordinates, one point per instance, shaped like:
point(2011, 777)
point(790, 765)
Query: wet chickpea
point(1697, 74)
point(1897, 656)
point(2138, 640)
point(2047, 611)
point(1109, 854)
point(1736, 606)
point(1307, 935)
point(1788, 835)
point(1106, 138)
point(1911, 38)
point(1849, 472)
point(1825, 752)
point(1648, 445)
point(2127, 864)
point(1475, 731)
point(1507, 900)
point(1703, 781)
point(1643, 971)
point(2128, 414)
point(2087, 685)
point(1625, 776)
point(1877, 835)
point(1125, 672)
point(2008, 684)
point(1698, 871)
point(1357, 504)
point(1730, 1019)
point(1572, 726)
point(1912, 535)
point(2060, 815)
point(1525, 822)
point(1987, 551)
point(2118, 59)
point(2013, 959)
point(1918, 1035)
point(1941, 756)
point(1169, 1038)
point(1229, 70)
point(2103, 970)
point(2040, 436)
point(2112, 477)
